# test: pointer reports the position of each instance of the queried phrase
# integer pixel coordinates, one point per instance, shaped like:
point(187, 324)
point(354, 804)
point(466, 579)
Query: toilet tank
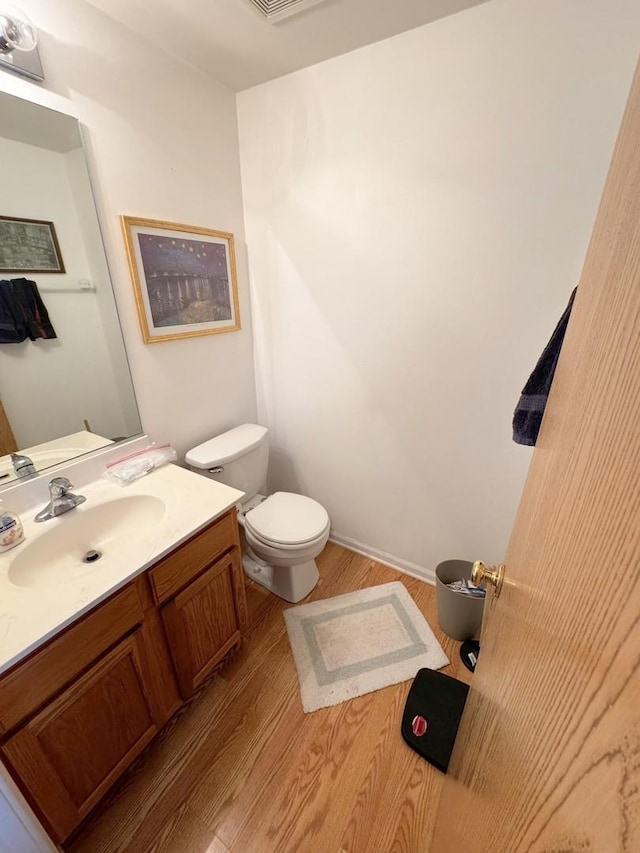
point(238, 457)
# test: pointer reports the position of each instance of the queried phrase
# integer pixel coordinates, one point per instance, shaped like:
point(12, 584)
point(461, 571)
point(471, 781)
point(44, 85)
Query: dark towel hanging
point(531, 405)
point(11, 327)
point(22, 312)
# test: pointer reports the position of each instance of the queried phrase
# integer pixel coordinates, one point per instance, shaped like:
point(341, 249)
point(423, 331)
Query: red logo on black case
point(419, 725)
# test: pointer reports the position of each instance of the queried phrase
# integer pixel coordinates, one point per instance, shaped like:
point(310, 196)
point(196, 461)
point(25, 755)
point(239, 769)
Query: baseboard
point(390, 560)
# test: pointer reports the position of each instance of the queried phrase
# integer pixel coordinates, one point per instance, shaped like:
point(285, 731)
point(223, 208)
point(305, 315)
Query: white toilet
point(284, 532)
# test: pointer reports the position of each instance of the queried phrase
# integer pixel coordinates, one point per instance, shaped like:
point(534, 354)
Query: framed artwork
point(29, 245)
point(184, 279)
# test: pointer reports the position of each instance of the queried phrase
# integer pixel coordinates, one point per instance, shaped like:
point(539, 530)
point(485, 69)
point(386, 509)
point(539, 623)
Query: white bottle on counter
point(11, 530)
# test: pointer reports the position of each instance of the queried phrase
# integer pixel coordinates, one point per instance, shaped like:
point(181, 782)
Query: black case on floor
point(439, 700)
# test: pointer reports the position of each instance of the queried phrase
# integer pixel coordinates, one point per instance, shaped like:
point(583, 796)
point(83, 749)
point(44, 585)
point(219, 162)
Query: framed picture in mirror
point(29, 245)
point(184, 279)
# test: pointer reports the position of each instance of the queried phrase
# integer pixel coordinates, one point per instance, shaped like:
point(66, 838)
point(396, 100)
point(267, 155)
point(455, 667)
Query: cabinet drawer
point(31, 683)
point(177, 570)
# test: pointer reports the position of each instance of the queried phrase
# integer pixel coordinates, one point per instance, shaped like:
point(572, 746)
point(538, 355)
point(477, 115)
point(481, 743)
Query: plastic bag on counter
point(137, 464)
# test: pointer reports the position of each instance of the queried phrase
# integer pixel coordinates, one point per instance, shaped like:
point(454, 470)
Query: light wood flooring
point(242, 769)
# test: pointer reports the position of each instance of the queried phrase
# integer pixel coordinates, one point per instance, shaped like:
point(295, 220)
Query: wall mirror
point(65, 396)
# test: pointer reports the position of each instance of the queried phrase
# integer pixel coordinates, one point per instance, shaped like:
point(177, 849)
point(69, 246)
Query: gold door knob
point(493, 575)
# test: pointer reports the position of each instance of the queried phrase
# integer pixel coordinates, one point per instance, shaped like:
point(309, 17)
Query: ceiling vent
point(276, 10)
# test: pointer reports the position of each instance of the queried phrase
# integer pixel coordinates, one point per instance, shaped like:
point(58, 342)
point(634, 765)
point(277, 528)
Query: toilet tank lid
point(227, 446)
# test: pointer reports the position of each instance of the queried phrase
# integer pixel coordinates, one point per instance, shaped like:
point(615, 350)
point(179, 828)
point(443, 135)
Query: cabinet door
point(69, 754)
point(202, 623)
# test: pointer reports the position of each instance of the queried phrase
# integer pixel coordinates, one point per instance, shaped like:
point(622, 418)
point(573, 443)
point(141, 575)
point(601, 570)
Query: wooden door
point(548, 754)
point(202, 624)
point(7, 440)
point(72, 751)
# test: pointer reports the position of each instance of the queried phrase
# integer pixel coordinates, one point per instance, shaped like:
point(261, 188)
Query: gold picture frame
point(184, 279)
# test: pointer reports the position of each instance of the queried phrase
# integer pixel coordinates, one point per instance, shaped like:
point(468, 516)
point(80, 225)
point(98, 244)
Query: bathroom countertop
point(29, 616)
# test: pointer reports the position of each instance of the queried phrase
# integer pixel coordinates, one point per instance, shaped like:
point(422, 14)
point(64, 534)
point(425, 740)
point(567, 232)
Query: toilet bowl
point(283, 535)
point(284, 532)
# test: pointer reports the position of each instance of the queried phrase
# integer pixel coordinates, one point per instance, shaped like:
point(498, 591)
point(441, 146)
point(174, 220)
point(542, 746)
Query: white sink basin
point(69, 549)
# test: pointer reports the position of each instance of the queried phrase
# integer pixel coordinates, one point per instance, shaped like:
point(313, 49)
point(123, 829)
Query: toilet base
point(293, 583)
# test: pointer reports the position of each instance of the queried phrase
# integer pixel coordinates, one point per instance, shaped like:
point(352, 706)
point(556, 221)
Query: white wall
point(36, 394)
point(417, 213)
point(162, 143)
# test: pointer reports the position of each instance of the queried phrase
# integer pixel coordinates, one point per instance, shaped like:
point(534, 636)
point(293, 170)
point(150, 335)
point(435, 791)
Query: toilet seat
point(284, 556)
point(287, 521)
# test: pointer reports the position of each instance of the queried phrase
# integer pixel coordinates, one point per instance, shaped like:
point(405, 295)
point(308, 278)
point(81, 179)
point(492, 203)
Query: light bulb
point(16, 30)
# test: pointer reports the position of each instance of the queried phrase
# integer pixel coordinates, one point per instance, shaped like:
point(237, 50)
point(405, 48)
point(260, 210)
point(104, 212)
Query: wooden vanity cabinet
point(75, 714)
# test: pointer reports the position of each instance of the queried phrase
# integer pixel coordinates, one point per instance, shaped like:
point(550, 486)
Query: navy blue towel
point(531, 405)
point(22, 312)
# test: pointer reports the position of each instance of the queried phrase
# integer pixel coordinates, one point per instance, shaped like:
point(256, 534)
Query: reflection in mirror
point(64, 396)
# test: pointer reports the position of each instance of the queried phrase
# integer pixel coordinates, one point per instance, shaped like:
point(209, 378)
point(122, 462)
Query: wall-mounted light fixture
point(19, 42)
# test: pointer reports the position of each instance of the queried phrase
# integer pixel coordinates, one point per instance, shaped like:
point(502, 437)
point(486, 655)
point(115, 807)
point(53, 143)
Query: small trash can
point(459, 615)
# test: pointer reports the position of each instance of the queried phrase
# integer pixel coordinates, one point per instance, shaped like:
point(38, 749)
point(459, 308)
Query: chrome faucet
point(62, 500)
point(23, 465)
